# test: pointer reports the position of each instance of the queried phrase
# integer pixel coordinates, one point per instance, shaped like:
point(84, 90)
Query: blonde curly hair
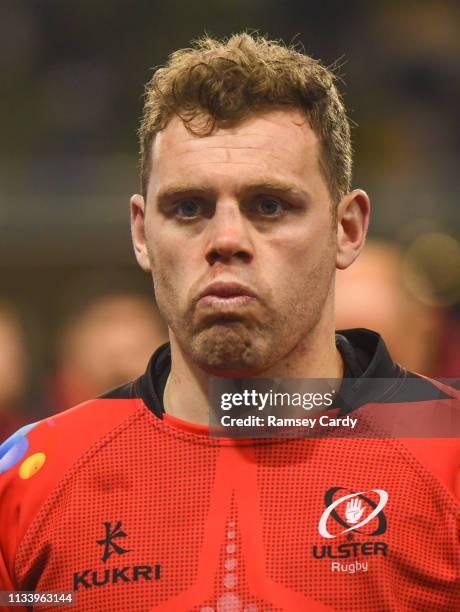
point(225, 80)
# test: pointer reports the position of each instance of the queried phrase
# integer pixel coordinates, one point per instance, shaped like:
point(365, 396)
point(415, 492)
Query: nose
point(228, 235)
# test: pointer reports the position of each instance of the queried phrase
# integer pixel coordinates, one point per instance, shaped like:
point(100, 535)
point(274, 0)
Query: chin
point(228, 351)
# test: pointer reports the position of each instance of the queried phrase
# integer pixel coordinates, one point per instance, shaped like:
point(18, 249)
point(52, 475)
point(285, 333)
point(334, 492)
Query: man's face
point(239, 239)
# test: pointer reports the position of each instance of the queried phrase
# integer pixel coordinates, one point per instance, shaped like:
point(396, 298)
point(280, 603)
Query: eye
point(187, 209)
point(270, 207)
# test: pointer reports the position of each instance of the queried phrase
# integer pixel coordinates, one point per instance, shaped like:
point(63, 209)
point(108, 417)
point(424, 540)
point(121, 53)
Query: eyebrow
point(278, 186)
point(176, 189)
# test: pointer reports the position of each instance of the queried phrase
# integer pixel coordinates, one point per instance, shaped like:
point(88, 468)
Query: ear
point(137, 205)
point(352, 222)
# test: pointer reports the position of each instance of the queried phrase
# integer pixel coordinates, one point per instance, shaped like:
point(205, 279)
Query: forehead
point(276, 142)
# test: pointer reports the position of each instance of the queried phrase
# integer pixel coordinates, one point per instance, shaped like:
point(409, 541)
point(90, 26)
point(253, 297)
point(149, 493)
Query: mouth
point(226, 295)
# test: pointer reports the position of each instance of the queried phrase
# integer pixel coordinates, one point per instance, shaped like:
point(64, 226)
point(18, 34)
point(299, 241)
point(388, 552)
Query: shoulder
point(424, 415)
point(35, 459)
point(72, 431)
point(419, 387)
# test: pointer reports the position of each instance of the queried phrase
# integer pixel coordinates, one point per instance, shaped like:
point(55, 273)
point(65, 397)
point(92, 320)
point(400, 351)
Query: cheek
point(165, 272)
point(161, 253)
point(302, 250)
point(302, 267)
point(169, 265)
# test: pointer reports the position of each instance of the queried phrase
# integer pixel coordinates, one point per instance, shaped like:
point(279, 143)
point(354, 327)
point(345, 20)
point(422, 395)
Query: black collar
point(370, 375)
point(364, 353)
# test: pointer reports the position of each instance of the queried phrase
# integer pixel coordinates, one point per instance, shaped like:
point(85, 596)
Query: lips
point(227, 290)
point(222, 294)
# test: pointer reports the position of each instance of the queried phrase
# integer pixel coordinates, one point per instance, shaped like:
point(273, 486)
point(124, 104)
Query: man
point(396, 309)
point(404, 303)
point(14, 366)
point(103, 343)
point(245, 215)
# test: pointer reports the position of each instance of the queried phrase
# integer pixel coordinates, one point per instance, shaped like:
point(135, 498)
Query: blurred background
point(77, 316)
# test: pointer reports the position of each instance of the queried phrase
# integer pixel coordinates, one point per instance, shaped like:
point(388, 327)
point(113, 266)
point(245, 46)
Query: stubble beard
point(235, 347)
point(243, 346)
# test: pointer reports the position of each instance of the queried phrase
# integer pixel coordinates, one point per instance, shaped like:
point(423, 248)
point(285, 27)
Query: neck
point(186, 392)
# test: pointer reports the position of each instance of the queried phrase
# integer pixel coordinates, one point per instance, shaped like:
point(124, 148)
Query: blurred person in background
point(378, 292)
point(14, 371)
point(104, 344)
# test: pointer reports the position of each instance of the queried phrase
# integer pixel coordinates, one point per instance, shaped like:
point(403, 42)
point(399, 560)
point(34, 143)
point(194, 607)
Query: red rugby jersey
point(135, 510)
